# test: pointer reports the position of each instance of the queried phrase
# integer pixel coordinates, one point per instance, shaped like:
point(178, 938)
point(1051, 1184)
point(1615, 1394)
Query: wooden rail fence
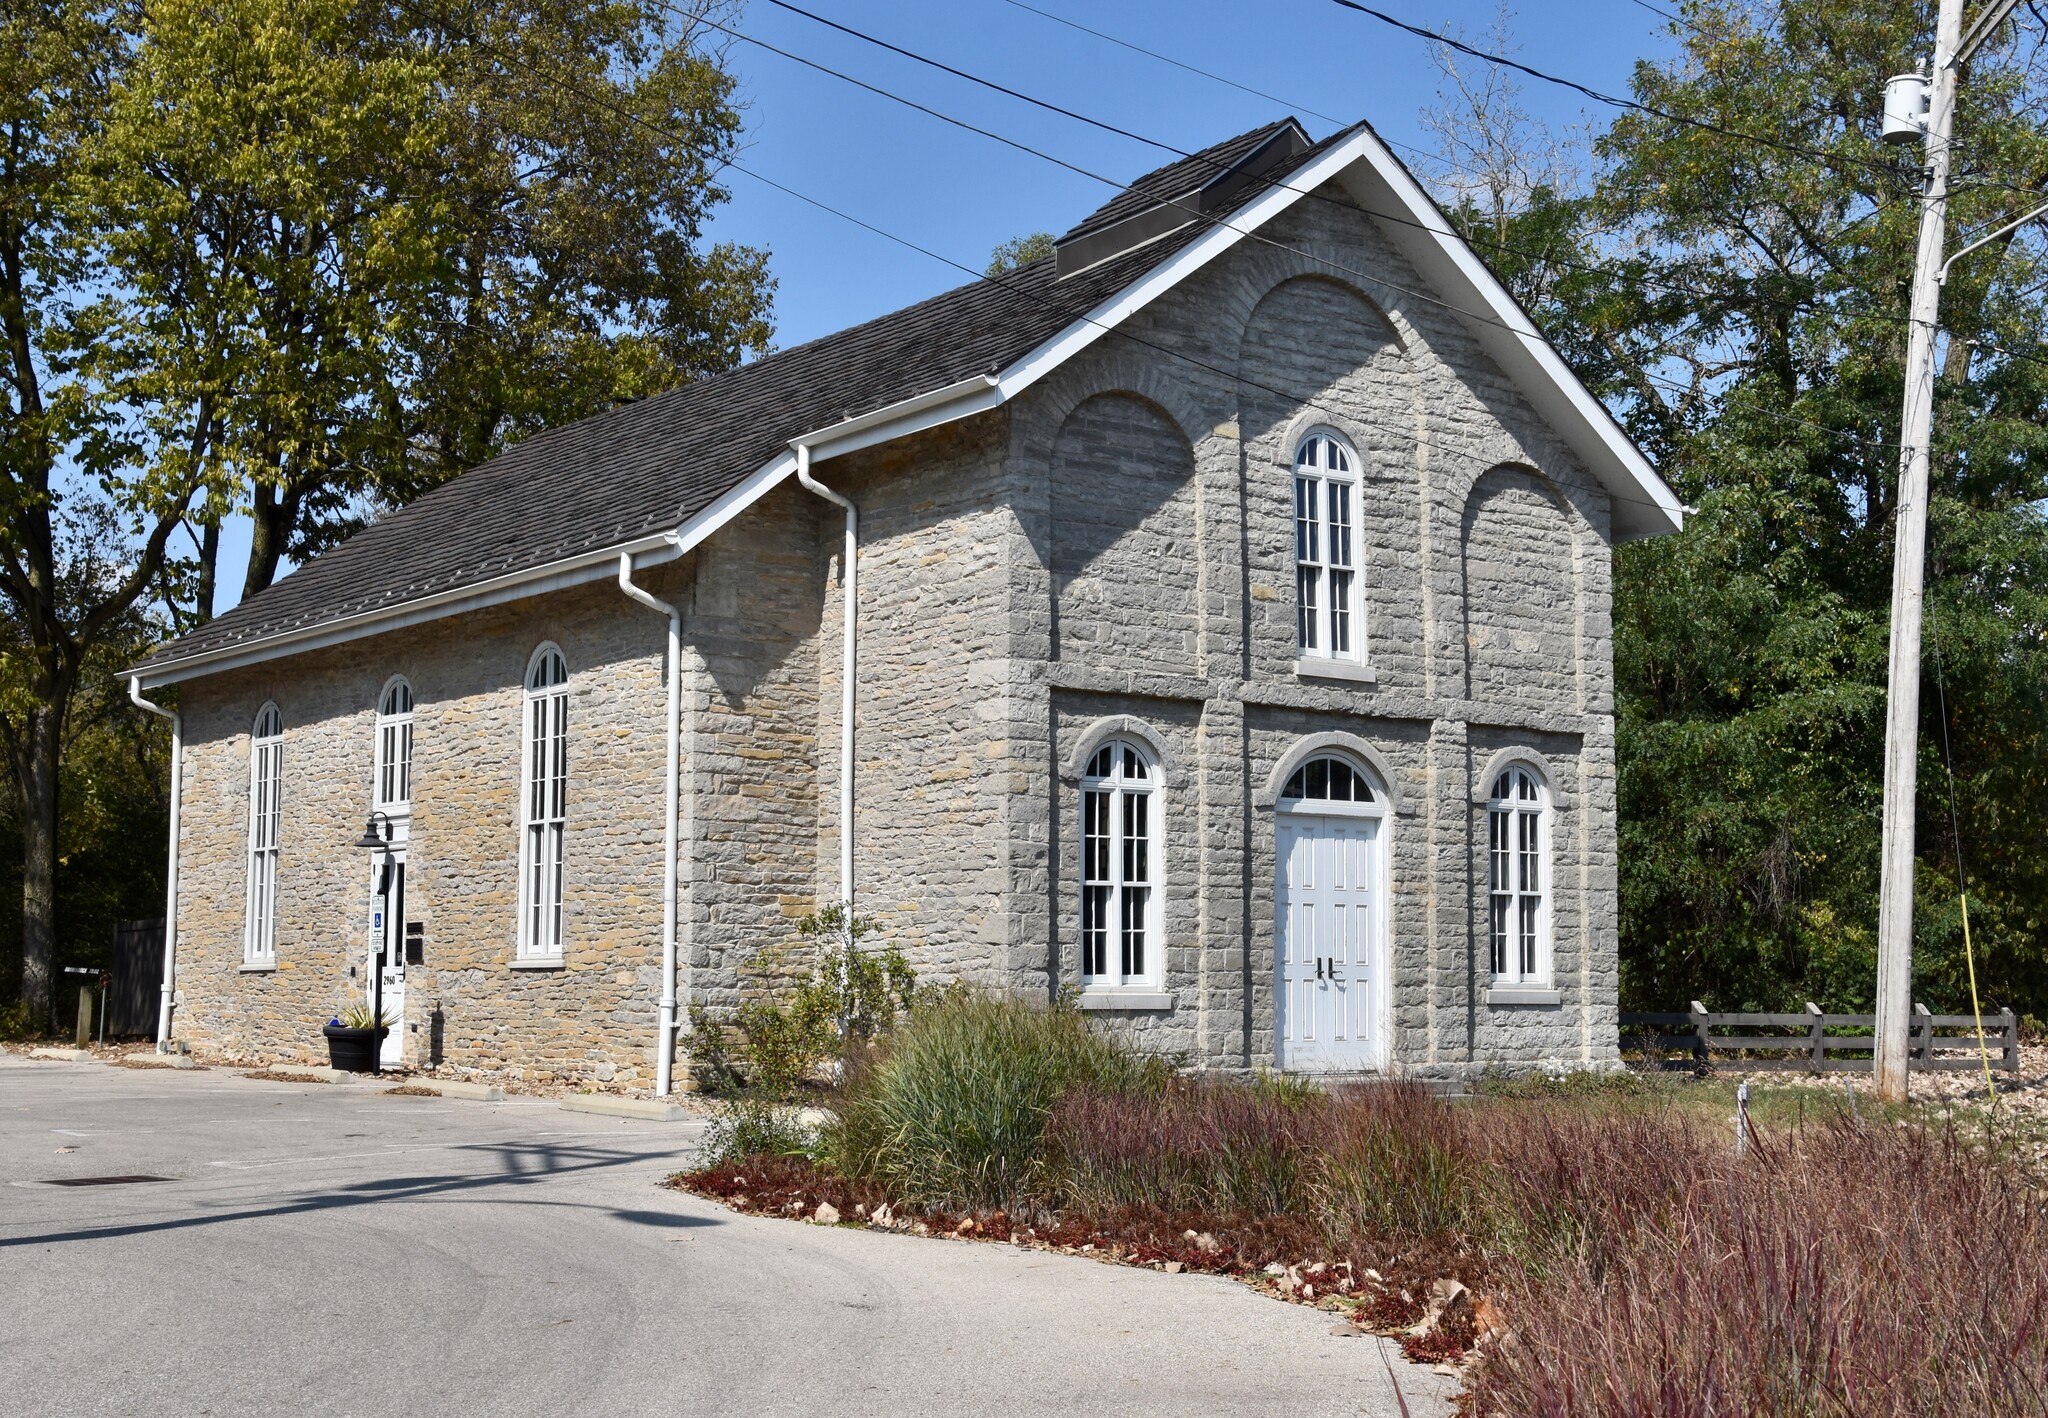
point(1814, 1042)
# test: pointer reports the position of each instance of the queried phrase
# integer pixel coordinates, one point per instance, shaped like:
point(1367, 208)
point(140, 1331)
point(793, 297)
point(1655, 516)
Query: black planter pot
point(353, 1050)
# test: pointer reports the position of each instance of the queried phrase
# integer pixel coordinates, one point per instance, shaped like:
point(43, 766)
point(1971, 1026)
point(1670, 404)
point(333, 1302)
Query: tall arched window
point(543, 805)
point(1120, 942)
point(1325, 549)
point(266, 771)
point(394, 749)
point(1518, 877)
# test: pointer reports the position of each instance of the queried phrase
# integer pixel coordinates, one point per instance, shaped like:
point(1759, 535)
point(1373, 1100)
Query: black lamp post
point(376, 840)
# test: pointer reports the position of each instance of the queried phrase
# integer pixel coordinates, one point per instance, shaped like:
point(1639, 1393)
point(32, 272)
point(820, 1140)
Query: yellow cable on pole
point(1970, 960)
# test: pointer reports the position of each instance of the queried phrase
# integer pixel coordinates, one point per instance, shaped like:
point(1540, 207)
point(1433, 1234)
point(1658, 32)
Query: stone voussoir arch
point(1120, 726)
point(1521, 756)
point(1342, 744)
point(1126, 378)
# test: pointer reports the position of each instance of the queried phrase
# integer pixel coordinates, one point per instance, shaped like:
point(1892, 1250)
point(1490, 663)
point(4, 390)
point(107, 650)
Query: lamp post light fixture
point(376, 840)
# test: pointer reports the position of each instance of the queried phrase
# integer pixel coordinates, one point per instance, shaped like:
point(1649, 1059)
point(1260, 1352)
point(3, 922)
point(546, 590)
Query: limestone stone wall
point(1113, 547)
point(466, 1005)
point(1484, 583)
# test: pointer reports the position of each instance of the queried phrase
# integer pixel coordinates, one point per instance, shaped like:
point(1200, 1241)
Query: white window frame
point(543, 805)
point(1518, 876)
point(1373, 804)
point(266, 779)
point(393, 766)
point(1106, 879)
point(1329, 611)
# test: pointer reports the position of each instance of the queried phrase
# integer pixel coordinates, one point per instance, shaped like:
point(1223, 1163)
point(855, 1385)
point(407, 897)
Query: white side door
point(387, 947)
point(1328, 943)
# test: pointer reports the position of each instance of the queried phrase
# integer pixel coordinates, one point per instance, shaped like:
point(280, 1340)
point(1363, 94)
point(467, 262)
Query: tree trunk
point(209, 572)
point(37, 781)
point(270, 513)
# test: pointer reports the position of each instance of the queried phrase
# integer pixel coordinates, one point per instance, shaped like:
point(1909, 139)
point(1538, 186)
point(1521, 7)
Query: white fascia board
point(958, 400)
point(578, 570)
point(1643, 504)
point(1184, 263)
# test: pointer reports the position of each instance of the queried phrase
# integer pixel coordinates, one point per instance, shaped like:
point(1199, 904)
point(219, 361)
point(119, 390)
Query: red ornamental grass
point(1840, 1270)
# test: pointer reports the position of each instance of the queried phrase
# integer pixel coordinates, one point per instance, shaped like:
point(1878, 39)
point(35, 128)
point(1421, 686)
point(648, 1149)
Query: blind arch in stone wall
point(1125, 545)
point(1522, 599)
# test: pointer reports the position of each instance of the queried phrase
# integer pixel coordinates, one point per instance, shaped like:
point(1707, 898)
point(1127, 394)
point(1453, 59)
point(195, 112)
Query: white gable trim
point(1643, 505)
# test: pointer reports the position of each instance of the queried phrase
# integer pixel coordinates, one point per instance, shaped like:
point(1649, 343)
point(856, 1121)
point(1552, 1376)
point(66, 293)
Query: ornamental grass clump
point(952, 1113)
point(1838, 1269)
point(1194, 1147)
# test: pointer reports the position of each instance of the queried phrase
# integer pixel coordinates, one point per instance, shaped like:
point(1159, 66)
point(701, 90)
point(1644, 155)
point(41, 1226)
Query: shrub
point(755, 1127)
point(953, 1111)
point(852, 996)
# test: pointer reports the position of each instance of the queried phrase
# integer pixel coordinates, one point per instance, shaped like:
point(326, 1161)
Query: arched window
point(1325, 552)
point(1120, 942)
point(266, 770)
point(394, 749)
point(543, 805)
point(1518, 877)
point(1327, 780)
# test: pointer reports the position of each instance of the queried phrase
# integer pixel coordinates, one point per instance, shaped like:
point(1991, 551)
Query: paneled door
point(1328, 943)
point(387, 948)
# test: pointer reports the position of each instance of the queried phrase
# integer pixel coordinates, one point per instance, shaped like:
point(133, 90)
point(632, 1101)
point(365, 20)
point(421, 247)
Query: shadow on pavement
point(518, 1164)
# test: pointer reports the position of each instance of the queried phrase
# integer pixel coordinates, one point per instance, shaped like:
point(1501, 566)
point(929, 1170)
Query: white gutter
point(848, 661)
point(163, 1011)
point(664, 1059)
point(575, 570)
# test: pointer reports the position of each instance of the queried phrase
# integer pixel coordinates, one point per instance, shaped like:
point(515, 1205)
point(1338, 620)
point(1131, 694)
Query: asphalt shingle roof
point(642, 469)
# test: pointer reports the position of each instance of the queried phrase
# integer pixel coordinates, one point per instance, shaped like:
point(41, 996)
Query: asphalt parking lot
point(332, 1249)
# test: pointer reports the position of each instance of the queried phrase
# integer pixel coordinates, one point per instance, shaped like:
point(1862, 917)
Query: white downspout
point(163, 1010)
point(846, 673)
point(664, 1066)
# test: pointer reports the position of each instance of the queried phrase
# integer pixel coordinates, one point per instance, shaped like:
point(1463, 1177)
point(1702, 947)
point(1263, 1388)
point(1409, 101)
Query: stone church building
point(1227, 597)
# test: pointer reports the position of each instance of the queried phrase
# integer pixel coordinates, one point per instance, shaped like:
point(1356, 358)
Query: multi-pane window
point(1517, 875)
point(266, 769)
point(1330, 780)
point(1119, 867)
point(543, 805)
point(1325, 549)
point(394, 748)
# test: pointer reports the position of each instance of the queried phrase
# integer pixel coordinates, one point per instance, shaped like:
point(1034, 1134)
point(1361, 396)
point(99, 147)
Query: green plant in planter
point(359, 1016)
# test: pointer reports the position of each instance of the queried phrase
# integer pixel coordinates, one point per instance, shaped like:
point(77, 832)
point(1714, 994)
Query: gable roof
point(652, 479)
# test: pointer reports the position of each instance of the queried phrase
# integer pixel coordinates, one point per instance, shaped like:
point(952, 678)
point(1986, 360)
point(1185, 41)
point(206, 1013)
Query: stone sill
point(537, 962)
point(1317, 668)
point(1523, 994)
point(268, 967)
point(1125, 999)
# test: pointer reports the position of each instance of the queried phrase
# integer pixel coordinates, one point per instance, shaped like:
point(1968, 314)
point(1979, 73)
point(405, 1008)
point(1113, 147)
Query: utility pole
point(1916, 428)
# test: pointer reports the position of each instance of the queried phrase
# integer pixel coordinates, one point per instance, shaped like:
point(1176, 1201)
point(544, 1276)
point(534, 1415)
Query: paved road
point(331, 1249)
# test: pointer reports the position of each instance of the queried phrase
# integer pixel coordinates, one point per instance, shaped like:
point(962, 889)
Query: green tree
point(304, 260)
point(1735, 285)
point(1019, 251)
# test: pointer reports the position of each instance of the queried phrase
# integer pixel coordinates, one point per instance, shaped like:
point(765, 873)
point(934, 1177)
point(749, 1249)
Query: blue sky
point(959, 194)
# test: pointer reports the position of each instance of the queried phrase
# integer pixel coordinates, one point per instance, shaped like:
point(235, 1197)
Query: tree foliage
point(1742, 304)
point(304, 261)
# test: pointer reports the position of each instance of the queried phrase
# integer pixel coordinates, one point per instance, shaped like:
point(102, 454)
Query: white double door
point(386, 972)
point(1330, 943)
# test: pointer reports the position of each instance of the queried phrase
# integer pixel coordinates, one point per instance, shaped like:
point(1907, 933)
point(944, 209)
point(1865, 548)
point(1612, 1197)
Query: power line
point(1008, 286)
point(1178, 64)
point(1617, 101)
point(1484, 317)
